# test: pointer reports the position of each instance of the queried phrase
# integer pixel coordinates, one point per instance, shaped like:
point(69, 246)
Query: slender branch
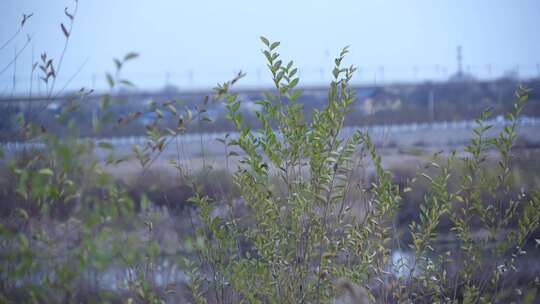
point(59, 66)
point(71, 79)
point(11, 38)
point(14, 59)
point(19, 30)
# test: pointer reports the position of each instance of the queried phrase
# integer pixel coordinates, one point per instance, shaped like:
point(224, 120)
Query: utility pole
point(38, 81)
point(190, 77)
point(167, 78)
point(259, 78)
point(326, 59)
point(14, 73)
point(459, 62)
point(431, 104)
point(93, 81)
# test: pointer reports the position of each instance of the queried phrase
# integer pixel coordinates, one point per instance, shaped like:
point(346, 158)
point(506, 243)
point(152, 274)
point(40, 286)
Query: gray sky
point(209, 40)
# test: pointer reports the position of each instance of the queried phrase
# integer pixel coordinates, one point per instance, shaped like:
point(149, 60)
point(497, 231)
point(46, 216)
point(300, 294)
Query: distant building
point(461, 77)
point(54, 107)
point(373, 100)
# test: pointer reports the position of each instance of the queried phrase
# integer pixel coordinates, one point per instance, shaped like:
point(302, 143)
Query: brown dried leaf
point(64, 30)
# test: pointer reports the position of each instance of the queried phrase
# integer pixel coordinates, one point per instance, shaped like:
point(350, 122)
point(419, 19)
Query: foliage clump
point(297, 178)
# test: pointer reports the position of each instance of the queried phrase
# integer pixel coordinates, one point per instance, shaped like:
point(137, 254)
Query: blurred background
point(195, 44)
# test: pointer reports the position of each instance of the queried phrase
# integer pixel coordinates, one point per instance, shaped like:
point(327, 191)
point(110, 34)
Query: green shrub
point(300, 235)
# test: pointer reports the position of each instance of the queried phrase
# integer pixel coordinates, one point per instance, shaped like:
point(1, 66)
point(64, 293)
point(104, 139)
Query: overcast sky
point(198, 43)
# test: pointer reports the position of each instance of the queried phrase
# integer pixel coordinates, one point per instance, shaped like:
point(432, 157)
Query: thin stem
point(11, 38)
point(61, 60)
point(14, 59)
point(71, 79)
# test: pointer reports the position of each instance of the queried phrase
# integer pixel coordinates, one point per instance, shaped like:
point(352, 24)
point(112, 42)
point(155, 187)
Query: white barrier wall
point(499, 121)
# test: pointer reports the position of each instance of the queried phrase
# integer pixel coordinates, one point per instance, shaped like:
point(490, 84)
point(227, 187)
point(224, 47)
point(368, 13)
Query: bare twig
point(14, 59)
point(71, 79)
point(19, 30)
point(71, 18)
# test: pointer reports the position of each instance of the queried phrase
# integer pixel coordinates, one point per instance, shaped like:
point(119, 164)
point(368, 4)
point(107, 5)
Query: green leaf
point(106, 145)
point(295, 94)
point(274, 45)
point(268, 56)
point(127, 83)
point(104, 101)
point(265, 41)
point(530, 296)
point(235, 106)
point(46, 171)
point(335, 72)
point(22, 213)
point(110, 80)
point(294, 82)
point(23, 240)
point(172, 109)
point(117, 63)
point(96, 123)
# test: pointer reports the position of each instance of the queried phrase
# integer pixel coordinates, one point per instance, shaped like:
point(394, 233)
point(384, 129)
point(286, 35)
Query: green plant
point(296, 222)
point(62, 213)
point(299, 235)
